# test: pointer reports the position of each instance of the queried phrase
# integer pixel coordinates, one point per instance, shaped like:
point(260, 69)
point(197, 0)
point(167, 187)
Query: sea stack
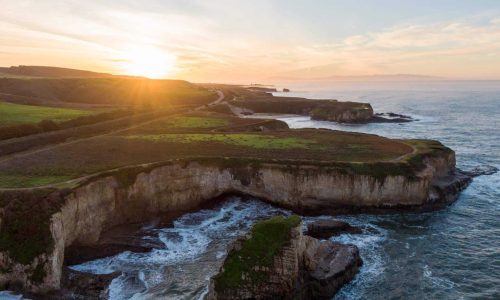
point(276, 261)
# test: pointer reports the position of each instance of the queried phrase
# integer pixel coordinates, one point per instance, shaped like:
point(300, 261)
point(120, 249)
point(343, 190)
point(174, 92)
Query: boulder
point(80, 286)
point(324, 229)
point(327, 267)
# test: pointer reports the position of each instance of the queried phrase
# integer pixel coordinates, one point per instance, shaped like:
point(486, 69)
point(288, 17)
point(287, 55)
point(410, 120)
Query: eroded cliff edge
point(36, 226)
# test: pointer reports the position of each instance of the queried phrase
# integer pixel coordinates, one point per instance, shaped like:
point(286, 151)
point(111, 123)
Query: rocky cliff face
point(179, 186)
point(303, 268)
point(362, 113)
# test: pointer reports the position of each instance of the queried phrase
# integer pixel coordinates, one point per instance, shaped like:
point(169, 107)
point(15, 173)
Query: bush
point(21, 130)
point(47, 125)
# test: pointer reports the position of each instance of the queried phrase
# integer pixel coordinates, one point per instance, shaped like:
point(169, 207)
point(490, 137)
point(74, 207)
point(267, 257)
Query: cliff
point(342, 112)
point(254, 100)
point(326, 110)
point(79, 216)
point(261, 100)
point(276, 261)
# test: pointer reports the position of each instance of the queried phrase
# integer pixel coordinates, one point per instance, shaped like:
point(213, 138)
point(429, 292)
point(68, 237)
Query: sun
point(148, 62)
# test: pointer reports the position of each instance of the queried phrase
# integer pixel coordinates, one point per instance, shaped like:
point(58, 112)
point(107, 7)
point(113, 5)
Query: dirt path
point(218, 101)
point(400, 158)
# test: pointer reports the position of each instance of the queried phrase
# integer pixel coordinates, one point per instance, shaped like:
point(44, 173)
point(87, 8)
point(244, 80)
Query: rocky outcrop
point(302, 268)
point(342, 112)
point(391, 118)
point(80, 286)
point(480, 170)
point(136, 194)
point(445, 188)
point(327, 267)
point(326, 110)
point(324, 229)
point(262, 89)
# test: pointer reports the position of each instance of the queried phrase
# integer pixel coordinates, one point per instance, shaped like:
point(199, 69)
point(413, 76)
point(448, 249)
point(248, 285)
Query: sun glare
point(148, 62)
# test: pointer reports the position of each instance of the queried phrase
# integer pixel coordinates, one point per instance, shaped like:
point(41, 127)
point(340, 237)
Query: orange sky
point(241, 41)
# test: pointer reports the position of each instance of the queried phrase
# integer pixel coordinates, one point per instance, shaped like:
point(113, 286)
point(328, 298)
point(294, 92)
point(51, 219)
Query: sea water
point(448, 254)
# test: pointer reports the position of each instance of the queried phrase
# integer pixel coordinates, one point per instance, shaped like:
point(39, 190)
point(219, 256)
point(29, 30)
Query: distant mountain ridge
point(383, 77)
point(54, 72)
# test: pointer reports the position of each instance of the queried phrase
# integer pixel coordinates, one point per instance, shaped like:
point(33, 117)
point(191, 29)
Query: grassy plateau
point(197, 135)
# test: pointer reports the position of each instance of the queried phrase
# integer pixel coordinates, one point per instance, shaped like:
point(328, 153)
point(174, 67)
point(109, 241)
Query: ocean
point(453, 253)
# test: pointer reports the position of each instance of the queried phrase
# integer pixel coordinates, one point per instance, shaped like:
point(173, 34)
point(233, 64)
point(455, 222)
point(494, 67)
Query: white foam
point(441, 283)
point(8, 295)
point(205, 233)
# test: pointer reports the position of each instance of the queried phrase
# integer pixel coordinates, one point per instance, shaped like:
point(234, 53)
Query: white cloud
point(210, 42)
point(446, 48)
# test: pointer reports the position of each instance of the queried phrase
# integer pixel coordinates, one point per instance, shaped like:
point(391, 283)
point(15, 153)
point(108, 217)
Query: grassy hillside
point(14, 114)
point(114, 91)
point(43, 71)
point(41, 104)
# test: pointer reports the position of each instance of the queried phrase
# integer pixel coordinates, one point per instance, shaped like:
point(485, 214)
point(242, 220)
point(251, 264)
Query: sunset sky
point(237, 41)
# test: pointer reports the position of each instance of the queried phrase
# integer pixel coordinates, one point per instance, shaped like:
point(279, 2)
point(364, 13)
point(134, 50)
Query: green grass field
point(203, 121)
point(237, 139)
point(15, 114)
point(23, 181)
point(191, 122)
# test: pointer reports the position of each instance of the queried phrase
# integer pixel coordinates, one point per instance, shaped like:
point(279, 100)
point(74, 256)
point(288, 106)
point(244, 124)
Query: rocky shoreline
point(249, 100)
point(89, 210)
point(314, 281)
point(445, 191)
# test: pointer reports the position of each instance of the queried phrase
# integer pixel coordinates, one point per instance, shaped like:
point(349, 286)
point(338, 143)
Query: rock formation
point(481, 170)
point(342, 112)
point(391, 118)
point(277, 262)
point(324, 229)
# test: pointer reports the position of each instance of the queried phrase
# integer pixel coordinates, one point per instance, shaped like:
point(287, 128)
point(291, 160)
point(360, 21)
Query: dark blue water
point(450, 254)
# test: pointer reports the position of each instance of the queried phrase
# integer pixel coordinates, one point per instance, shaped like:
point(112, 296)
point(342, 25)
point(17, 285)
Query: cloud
point(447, 35)
point(247, 41)
point(445, 49)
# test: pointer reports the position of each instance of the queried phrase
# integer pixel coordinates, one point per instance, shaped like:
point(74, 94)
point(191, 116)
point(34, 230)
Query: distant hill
point(102, 91)
point(52, 72)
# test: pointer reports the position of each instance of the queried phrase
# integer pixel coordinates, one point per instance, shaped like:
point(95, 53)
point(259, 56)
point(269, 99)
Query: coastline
point(447, 202)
